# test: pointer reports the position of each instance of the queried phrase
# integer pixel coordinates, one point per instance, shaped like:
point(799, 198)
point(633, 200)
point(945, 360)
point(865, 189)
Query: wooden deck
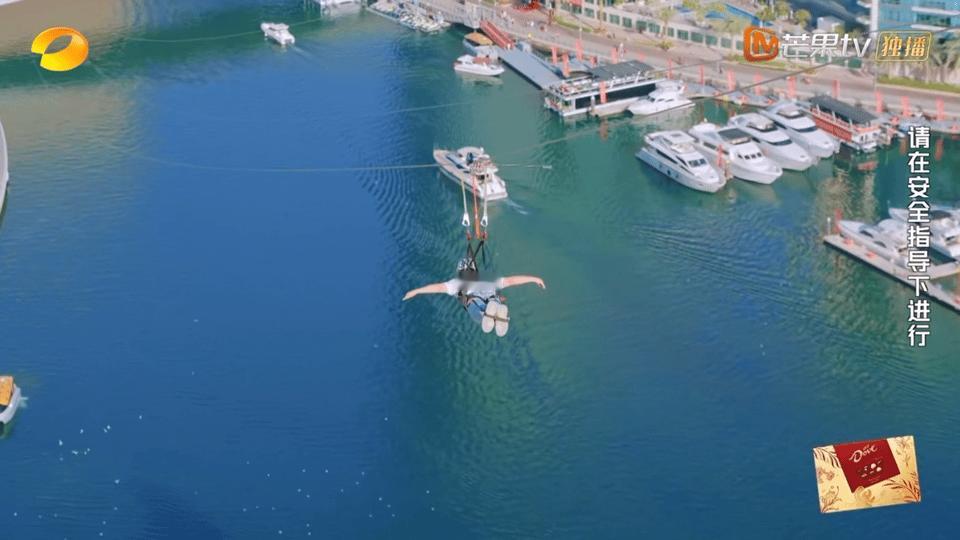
point(936, 291)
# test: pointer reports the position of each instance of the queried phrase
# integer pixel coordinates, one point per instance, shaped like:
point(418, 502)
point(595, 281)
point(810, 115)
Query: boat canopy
point(622, 70)
point(843, 110)
point(478, 39)
point(6, 390)
point(734, 135)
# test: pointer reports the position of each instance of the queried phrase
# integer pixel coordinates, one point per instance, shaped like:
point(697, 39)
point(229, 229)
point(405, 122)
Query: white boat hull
point(493, 191)
point(796, 161)
point(851, 231)
point(738, 170)
point(646, 108)
point(6, 416)
point(680, 177)
point(483, 71)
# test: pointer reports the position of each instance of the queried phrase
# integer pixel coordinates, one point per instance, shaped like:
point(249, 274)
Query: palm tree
point(766, 14)
point(782, 9)
point(802, 17)
point(945, 57)
point(665, 15)
point(731, 25)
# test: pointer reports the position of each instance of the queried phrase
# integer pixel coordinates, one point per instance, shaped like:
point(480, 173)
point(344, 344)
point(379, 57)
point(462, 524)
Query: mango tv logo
point(70, 57)
point(760, 44)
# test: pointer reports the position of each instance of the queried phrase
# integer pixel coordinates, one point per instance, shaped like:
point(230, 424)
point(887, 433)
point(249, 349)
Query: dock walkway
point(529, 66)
point(936, 291)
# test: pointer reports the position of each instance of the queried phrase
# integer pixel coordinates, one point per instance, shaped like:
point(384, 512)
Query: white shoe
point(488, 321)
point(503, 319)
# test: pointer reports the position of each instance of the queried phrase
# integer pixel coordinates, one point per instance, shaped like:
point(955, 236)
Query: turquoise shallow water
point(240, 330)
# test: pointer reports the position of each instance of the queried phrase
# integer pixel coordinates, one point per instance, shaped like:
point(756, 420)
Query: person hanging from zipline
point(481, 299)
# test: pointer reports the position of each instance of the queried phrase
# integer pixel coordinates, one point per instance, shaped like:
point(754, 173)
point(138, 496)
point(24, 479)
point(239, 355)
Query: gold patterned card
point(864, 474)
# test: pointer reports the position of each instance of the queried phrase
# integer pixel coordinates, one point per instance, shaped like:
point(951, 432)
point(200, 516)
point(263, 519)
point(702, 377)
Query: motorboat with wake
point(672, 153)
point(944, 229)
point(471, 167)
point(731, 147)
point(9, 400)
point(773, 141)
point(478, 65)
point(278, 32)
point(887, 239)
point(787, 116)
point(478, 44)
point(668, 96)
point(4, 168)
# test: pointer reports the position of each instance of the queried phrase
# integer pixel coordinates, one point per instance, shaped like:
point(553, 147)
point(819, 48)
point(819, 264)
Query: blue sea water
point(201, 265)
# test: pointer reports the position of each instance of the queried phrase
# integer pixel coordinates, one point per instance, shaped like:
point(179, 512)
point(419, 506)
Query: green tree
point(766, 14)
point(665, 15)
point(802, 17)
point(731, 25)
point(782, 9)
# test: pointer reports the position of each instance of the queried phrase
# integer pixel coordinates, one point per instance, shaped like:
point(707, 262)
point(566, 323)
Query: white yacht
point(672, 153)
point(801, 128)
point(730, 147)
point(887, 238)
point(278, 32)
point(668, 96)
point(471, 166)
point(332, 4)
point(478, 65)
point(773, 141)
point(4, 168)
point(478, 44)
point(944, 230)
point(9, 400)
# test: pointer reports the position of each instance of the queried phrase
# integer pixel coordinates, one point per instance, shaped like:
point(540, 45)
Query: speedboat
point(471, 167)
point(672, 153)
point(801, 128)
point(731, 147)
point(9, 400)
point(478, 44)
point(774, 142)
point(667, 96)
point(944, 229)
point(278, 32)
point(478, 65)
point(887, 238)
point(4, 168)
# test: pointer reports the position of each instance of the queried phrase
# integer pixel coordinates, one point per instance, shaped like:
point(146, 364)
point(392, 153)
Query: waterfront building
point(932, 15)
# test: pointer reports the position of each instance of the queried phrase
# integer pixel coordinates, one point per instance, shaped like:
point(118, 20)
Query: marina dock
point(935, 291)
point(529, 66)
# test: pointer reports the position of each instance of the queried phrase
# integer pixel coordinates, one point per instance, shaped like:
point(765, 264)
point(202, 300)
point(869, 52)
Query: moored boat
point(787, 116)
point(668, 96)
point(478, 65)
point(731, 147)
point(944, 229)
point(478, 44)
point(774, 142)
point(852, 126)
point(673, 154)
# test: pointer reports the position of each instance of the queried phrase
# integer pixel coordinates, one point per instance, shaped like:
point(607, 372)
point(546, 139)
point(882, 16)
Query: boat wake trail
point(517, 206)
